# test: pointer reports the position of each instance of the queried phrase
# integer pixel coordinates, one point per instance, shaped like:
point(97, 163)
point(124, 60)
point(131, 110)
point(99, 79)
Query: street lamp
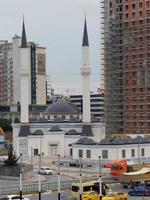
point(31, 155)
point(21, 176)
point(58, 177)
point(139, 152)
point(100, 178)
point(80, 180)
point(39, 177)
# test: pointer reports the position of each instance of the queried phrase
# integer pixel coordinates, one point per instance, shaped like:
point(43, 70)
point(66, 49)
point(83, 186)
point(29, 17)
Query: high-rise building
point(127, 66)
point(6, 71)
point(96, 104)
point(10, 72)
point(113, 58)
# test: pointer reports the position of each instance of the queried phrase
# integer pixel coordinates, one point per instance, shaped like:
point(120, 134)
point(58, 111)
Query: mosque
point(62, 124)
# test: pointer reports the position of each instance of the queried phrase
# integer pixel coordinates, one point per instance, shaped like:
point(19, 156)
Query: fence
point(34, 187)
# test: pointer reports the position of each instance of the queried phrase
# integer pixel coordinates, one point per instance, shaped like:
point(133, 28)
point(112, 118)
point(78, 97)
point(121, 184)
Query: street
point(65, 195)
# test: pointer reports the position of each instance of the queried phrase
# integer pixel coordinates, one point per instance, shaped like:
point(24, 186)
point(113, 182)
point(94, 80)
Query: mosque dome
point(62, 107)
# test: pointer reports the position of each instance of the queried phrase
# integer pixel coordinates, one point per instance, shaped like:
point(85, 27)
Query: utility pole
point(58, 177)
point(80, 180)
point(100, 178)
point(31, 155)
point(21, 176)
point(39, 177)
point(139, 152)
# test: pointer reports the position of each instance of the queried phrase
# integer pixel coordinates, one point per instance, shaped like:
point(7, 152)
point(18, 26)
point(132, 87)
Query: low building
point(136, 149)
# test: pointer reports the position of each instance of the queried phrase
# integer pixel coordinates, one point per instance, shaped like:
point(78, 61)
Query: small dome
point(86, 141)
point(104, 141)
point(72, 132)
point(38, 132)
point(128, 140)
point(62, 107)
point(116, 141)
point(138, 139)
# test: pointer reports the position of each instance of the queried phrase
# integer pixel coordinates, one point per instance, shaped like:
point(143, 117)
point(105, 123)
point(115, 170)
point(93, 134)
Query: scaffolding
point(113, 66)
point(127, 66)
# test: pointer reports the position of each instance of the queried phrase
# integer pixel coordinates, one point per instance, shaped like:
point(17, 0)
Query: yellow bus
point(89, 186)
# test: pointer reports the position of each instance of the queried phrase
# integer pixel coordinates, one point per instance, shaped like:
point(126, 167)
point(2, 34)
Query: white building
point(62, 123)
point(136, 149)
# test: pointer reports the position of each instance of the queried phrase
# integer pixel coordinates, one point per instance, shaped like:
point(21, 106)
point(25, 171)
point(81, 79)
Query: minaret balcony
point(85, 70)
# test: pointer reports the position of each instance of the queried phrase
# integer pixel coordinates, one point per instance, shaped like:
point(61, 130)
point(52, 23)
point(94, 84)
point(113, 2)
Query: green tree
point(12, 159)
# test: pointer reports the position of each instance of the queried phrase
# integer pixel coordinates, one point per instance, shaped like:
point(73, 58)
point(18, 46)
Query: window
point(126, 15)
point(142, 152)
point(63, 116)
point(88, 153)
point(123, 153)
point(36, 152)
point(132, 152)
point(133, 6)
point(104, 154)
point(147, 3)
point(140, 4)
point(126, 7)
point(140, 13)
point(80, 153)
point(70, 152)
point(133, 14)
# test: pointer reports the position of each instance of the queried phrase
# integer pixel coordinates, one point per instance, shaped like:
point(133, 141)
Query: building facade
point(127, 66)
point(132, 148)
point(6, 72)
point(96, 101)
point(10, 72)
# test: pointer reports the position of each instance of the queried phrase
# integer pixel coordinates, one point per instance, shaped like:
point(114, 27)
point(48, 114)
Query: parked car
point(45, 171)
point(90, 195)
point(15, 197)
point(140, 191)
point(116, 196)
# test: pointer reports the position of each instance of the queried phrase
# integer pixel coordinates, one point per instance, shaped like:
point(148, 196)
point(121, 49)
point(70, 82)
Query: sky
point(58, 26)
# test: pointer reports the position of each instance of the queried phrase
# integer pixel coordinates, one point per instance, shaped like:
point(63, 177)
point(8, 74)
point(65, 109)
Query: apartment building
point(6, 72)
point(127, 66)
point(97, 104)
point(10, 72)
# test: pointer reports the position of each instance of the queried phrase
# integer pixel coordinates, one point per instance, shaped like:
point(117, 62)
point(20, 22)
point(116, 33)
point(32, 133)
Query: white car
point(45, 171)
point(15, 197)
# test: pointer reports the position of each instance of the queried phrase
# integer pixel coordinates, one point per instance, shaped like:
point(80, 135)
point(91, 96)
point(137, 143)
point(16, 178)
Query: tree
point(12, 159)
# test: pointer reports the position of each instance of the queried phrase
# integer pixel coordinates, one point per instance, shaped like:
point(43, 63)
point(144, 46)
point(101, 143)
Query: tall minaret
point(24, 78)
point(86, 72)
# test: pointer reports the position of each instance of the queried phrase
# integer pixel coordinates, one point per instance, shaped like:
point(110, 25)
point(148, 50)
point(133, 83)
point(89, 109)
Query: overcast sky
point(57, 25)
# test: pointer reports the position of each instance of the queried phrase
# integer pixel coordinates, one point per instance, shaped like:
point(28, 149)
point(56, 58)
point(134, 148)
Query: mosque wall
point(113, 152)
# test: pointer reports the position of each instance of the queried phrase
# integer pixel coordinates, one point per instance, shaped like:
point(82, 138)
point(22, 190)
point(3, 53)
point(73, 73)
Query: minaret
point(86, 72)
point(24, 78)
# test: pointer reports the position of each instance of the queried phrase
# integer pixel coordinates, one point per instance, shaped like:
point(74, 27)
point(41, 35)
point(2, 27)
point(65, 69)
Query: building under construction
point(127, 66)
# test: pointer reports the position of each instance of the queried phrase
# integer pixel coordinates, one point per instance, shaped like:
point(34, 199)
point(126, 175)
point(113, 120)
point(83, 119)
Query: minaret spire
point(24, 38)
point(86, 73)
point(85, 41)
